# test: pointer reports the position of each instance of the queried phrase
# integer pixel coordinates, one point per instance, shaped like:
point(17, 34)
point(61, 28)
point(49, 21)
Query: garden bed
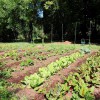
point(43, 70)
point(58, 78)
point(18, 76)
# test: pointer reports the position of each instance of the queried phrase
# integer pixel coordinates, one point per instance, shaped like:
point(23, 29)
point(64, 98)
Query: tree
point(21, 16)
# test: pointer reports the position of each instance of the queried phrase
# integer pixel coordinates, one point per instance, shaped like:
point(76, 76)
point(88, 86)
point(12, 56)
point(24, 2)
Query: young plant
point(28, 62)
point(41, 57)
point(6, 73)
point(46, 72)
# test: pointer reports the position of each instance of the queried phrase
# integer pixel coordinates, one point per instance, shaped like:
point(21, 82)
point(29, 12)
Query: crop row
point(79, 85)
point(30, 52)
point(14, 46)
point(45, 72)
point(11, 66)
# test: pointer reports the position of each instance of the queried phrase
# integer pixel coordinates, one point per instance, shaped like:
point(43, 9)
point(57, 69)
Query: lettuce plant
point(52, 68)
point(28, 62)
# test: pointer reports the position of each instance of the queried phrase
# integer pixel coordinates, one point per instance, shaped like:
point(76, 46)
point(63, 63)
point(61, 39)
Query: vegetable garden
point(49, 72)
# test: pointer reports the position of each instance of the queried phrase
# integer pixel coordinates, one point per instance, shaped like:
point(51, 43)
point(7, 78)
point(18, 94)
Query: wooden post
point(42, 36)
point(51, 31)
point(75, 32)
point(62, 33)
point(90, 33)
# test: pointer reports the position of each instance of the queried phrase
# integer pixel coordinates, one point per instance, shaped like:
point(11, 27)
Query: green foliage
point(28, 62)
point(19, 16)
point(11, 54)
point(48, 4)
point(51, 5)
point(46, 72)
point(40, 57)
point(80, 83)
point(33, 81)
point(2, 64)
point(88, 96)
point(6, 73)
point(4, 93)
point(85, 50)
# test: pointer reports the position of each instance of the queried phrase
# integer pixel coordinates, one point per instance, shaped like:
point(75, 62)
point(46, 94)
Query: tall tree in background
point(20, 17)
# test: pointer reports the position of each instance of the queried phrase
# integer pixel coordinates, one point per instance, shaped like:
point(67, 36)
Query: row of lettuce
point(45, 72)
point(37, 52)
point(79, 85)
point(29, 56)
point(6, 73)
point(27, 47)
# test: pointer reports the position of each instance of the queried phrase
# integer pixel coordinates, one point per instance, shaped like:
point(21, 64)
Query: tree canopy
point(21, 18)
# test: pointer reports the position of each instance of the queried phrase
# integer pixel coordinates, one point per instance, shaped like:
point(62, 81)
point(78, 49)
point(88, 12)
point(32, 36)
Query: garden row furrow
point(46, 84)
point(16, 59)
point(81, 84)
point(49, 72)
point(16, 63)
point(18, 76)
point(5, 59)
point(58, 78)
point(4, 52)
point(10, 62)
point(30, 94)
point(97, 93)
point(23, 59)
point(37, 78)
point(11, 57)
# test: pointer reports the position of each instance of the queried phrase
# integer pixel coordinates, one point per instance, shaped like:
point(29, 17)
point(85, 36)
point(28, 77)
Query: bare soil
point(57, 78)
point(18, 76)
point(97, 93)
point(30, 94)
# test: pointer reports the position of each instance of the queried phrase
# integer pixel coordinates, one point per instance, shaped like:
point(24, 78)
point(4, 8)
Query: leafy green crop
point(6, 73)
point(81, 83)
point(52, 68)
point(4, 93)
point(2, 64)
point(28, 62)
point(41, 57)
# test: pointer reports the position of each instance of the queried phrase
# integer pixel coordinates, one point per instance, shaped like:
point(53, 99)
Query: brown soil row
point(97, 93)
point(18, 76)
point(59, 77)
point(4, 59)
point(13, 63)
point(3, 52)
point(9, 58)
point(53, 80)
point(30, 94)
